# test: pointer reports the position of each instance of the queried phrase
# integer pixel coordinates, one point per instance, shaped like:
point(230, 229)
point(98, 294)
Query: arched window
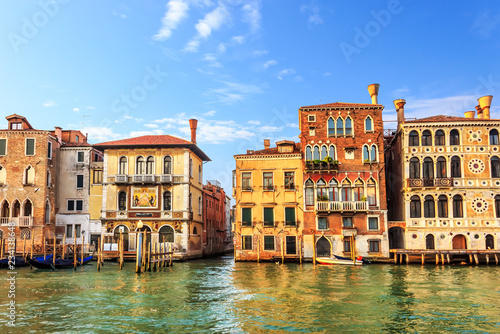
point(25, 234)
point(122, 166)
point(495, 167)
point(348, 126)
point(16, 209)
point(494, 137)
point(426, 138)
point(150, 165)
point(497, 206)
point(439, 138)
point(47, 212)
point(429, 207)
point(371, 192)
point(340, 126)
point(321, 190)
point(414, 168)
point(28, 208)
point(368, 124)
point(167, 165)
point(454, 137)
point(359, 188)
point(190, 202)
point(190, 167)
point(457, 207)
point(309, 186)
point(167, 201)
point(122, 201)
point(429, 241)
point(441, 167)
point(489, 242)
point(331, 127)
point(5, 212)
point(195, 230)
point(308, 153)
point(48, 179)
point(166, 233)
point(415, 211)
point(413, 139)
point(428, 169)
point(316, 153)
point(331, 152)
point(140, 167)
point(373, 153)
point(346, 194)
point(442, 206)
point(456, 169)
point(324, 152)
point(29, 175)
point(366, 153)
point(333, 190)
point(200, 205)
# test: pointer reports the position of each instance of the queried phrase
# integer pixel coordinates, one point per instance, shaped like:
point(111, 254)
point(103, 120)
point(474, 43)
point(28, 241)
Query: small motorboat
point(334, 259)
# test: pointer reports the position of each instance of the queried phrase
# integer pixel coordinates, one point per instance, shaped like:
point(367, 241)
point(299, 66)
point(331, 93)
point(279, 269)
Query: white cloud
point(177, 10)
point(267, 128)
point(212, 21)
point(314, 14)
point(127, 117)
point(90, 107)
point(232, 92)
point(212, 59)
point(210, 113)
point(120, 15)
point(485, 25)
point(76, 109)
point(293, 125)
point(327, 74)
point(253, 122)
point(98, 134)
point(252, 16)
point(146, 133)
point(259, 53)
point(298, 78)
point(49, 104)
point(269, 63)
point(450, 106)
point(222, 48)
point(285, 72)
point(238, 39)
point(192, 46)
point(152, 126)
point(399, 93)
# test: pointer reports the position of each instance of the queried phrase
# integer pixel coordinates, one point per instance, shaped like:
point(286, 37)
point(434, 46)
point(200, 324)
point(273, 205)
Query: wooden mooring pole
point(138, 261)
point(99, 254)
point(54, 254)
point(75, 254)
point(64, 246)
point(44, 249)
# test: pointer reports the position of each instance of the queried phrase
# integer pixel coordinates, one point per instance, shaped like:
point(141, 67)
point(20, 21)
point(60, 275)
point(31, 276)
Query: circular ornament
point(476, 166)
point(476, 236)
point(479, 205)
point(475, 136)
point(443, 236)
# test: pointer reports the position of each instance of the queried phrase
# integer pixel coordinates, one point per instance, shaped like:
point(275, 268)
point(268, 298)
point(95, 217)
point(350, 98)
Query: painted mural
point(144, 197)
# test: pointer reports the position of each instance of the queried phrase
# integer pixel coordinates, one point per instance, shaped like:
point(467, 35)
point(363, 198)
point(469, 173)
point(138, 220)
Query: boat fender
point(359, 258)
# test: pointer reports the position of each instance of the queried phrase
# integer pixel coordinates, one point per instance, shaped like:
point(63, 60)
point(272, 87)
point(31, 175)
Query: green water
point(221, 296)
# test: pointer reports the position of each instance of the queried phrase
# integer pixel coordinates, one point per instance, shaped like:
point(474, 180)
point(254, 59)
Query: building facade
point(345, 209)
point(214, 218)
point(444, 181)
point(156, 182)
point(267, 187)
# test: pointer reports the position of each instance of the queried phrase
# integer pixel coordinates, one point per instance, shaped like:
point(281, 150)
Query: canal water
point(221, 296)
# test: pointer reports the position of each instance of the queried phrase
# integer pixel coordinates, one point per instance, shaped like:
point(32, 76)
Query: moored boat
point(340, 260)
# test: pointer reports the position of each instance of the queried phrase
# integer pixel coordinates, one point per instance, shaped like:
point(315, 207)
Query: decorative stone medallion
point(479, 205)
point(476, 166)
point(475, 136)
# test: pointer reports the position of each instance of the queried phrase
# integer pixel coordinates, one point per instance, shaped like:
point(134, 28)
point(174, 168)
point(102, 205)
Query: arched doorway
point(490, 244)
point(429, 241)
point(147, 229)
point(459, 242)
point(396, 237)
point(124, 231)
point(166, 234)
point(323, 247)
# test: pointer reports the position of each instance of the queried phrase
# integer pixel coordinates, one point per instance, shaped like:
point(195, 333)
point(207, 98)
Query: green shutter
point(269, 215)
point(290, 215)
point(246, 215)
point(3, 146)
point(30, 146)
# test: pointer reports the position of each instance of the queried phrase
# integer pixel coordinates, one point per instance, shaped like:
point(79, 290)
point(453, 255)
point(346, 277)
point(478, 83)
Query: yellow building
point(156, 182)
point(267, 187)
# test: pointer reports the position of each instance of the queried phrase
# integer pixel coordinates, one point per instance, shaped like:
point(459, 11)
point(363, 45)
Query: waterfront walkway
point(449, 255)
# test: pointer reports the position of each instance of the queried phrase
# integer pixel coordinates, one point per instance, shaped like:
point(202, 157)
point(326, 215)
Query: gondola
point(19, 261)
point(58, 263)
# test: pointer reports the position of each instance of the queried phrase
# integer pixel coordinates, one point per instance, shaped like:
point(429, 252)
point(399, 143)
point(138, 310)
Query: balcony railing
point(434, 182)
point(166, 178)
point(121, 178)
point(25, 221)
point(323, 166)
point(342, 206)
point(148, 178)
point(144, 178)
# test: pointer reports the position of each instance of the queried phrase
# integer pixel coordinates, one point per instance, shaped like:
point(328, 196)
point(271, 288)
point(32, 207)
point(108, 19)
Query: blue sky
point(120, 69)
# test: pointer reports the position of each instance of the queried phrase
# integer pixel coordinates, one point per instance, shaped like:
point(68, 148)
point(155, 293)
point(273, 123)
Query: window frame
point(368, 223)
point(266, 211)
point(266, 243)
point(287, 211)
point(267, 181)
point(319, 224)
point(80, 156)
point(26, 146)
point(372, 243)
point(289, 185)
point(246, 242)
point(246, 177)
point(244, 222)
point(80, 181)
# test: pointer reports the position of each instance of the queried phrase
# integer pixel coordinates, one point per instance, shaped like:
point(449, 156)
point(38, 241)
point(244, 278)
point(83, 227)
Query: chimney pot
point(373, 90)
point(485, 103)
point(400, 110)
point(193, 124)
point(267, 143)
point(470, 114)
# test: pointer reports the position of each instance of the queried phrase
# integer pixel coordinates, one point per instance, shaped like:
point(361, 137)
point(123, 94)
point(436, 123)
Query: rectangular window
point(290, 216)
point(49, 150)
point(71, 205)
point(268, 180)
point(69, 231)
point(79, 181)
point(246, 216)
point(78, 229)
point(291, 244)
point(374, 246)
point(311, 118)
point(81, 156)
point(77, 138)
point(16, 126)
point(30, 146)
point(289, 180)
point(347, 245)
point(246, 242)
point(312, 131)
point(246, 181)
point(322, 223)
point(79, 205)
point(269, 242)
point(3, 146)
point(97, 176)
point(347, 222)
point(373, 223)
point(269, 217)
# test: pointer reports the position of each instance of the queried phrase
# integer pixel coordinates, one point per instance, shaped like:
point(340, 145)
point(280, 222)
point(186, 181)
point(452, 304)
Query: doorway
point(323, 247)
point(459, 242)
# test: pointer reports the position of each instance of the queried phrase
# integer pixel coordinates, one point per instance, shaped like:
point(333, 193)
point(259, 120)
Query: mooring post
point(83, 248)
point(496, 259)
point(44, 250)
point(442, 259)
point(138, 253)
point(75, 253)
point(258, 249)
point(476, 258)
point(54, 252)
point(487, 259)
point(98, 254)
point(470, 258)
point(64, 246)
point(31, 246)
point(407, 258)
point(448, 258)
point(1, 248)
point(423, 258)
point(170, 255)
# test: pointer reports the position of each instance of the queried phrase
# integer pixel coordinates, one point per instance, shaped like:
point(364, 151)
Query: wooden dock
point(471, 256)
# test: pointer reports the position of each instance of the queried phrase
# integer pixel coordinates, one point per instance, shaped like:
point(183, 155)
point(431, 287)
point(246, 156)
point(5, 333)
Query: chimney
point(58, 133)
point(485, 103)
point(469, 114)
point(373, 90)
point(193, 123)
point(400, 109)
point(267, 143)
point(479, 111)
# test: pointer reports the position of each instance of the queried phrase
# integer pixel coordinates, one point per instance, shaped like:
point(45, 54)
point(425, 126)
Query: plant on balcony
point(316, 161)
point(363, 198)
point(322, 198)
point(328, 159)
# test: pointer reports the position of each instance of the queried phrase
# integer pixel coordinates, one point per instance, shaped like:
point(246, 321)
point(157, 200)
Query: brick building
point(344, 179)
point(214, 219)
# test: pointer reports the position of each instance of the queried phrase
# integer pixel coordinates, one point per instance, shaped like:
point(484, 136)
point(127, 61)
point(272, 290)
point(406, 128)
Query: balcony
point(340, 206)
point(431, 183)
point(166, 178)
point(122, 178)
point(317, 165)
point(26, 221)
point(143, 178)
